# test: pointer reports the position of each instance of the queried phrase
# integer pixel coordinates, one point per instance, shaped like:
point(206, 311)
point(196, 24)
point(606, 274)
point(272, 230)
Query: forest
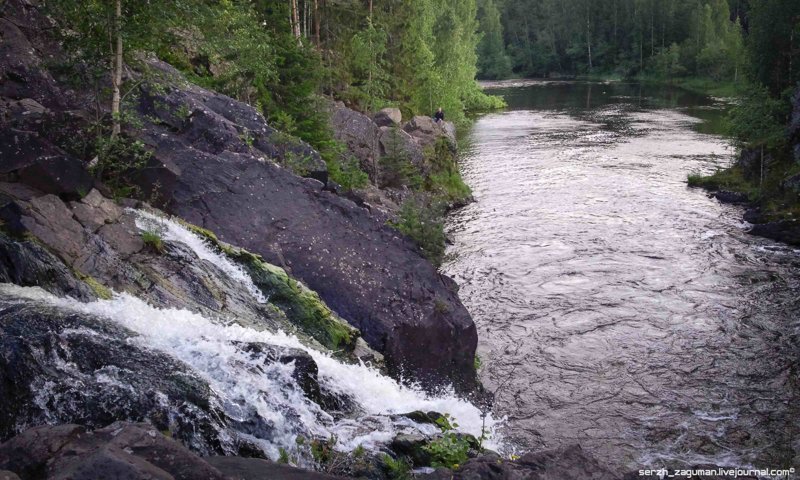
point(285, 56)
point(628, 38)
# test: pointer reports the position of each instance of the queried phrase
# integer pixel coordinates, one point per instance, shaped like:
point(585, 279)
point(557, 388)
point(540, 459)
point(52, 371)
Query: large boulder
point(388, 117)
point(359, 133)
point(364, 270)
point(427, 132)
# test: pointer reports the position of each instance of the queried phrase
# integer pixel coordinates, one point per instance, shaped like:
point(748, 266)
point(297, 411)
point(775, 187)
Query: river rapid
point(617, 308)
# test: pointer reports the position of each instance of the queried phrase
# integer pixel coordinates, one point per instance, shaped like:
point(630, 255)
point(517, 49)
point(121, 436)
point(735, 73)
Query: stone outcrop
point(388, 117)
point(359, 133)
point(427, 132)
point(129, 451)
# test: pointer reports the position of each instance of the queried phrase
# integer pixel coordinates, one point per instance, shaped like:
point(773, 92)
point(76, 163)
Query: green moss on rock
point(301, 305)
point(98, 288)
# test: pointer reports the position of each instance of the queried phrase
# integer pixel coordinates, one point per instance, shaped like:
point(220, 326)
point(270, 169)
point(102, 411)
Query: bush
point(116, 159)
point(422, 222)
point(153, 240)
point(398, 469)
point(449, 451)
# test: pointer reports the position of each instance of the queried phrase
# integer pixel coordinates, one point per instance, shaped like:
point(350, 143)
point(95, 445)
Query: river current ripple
point(617, 308)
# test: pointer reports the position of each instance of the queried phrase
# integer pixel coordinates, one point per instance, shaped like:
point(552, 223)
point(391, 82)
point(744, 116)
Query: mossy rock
point(98, 288)
point(301, 305)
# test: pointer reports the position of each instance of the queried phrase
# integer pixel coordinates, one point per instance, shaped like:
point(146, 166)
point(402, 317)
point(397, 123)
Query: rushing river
point(618, 308)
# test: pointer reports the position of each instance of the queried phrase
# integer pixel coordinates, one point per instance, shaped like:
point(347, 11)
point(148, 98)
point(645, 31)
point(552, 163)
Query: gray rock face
point(388, 117)
point(397, 142)
point(427, 132)
point(359, 133)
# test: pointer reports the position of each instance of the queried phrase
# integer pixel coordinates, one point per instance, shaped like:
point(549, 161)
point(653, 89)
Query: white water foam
point(175, 232)
point(249, 389)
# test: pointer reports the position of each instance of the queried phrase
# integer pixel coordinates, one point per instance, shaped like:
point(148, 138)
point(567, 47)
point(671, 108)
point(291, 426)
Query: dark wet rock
point(6, 475)
point(359, 133)
point(238, 468)
point(787, 231)
point(305, 368)
point(567, 463)
point(410, 445)
point(120, 450)
point(726, 196)
point(388, 117)
point(192, 119)
point(41, 165)
point(62, 367)
point(27, 263)
point(423, 417)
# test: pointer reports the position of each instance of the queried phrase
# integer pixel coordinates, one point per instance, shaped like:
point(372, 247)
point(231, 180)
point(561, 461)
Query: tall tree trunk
point(370, 10)
point(588, 37)
point(116, 72)
point(652, 29)
point(295, 19)
point(316, 22)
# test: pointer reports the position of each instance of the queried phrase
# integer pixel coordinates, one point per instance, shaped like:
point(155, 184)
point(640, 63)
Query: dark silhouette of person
point(439, 115)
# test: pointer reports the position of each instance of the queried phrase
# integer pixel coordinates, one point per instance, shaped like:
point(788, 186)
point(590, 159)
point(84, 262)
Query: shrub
point(451, 449)
point(397, 469)
point(153, 240)
point(422, 222)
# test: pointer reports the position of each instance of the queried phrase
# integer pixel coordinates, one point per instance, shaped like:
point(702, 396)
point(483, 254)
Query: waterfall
point(265, 396)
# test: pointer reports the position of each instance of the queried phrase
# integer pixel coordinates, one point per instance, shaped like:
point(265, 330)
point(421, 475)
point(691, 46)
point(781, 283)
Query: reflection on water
point(618, 308)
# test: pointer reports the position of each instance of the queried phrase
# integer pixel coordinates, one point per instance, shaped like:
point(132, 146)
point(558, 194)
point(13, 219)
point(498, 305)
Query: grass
point(153, 241)
point(730, 179)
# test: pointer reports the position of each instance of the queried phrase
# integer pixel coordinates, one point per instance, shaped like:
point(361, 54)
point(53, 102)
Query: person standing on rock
point(438, 117)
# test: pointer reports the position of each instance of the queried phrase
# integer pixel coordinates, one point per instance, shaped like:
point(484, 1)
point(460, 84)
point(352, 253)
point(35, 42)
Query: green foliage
point(773, 43)
point(621, 37)
point(397, 469)
point(346, 171)
point(421, 221)
point(759, 119)
point(450, 450)
point(283, 456)
point(477, 363)
point(732, 180)
point(153, 241)
point(493, 61)
point(117, 159)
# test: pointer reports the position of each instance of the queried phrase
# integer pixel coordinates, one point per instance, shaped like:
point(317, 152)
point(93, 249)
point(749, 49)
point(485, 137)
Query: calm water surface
point(616, 307)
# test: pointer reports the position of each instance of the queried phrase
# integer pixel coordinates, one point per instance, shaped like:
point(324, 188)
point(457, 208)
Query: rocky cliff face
point(217, 164)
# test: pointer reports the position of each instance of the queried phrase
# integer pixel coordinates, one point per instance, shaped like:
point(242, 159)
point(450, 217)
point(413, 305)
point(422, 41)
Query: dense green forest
point(626, 38)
